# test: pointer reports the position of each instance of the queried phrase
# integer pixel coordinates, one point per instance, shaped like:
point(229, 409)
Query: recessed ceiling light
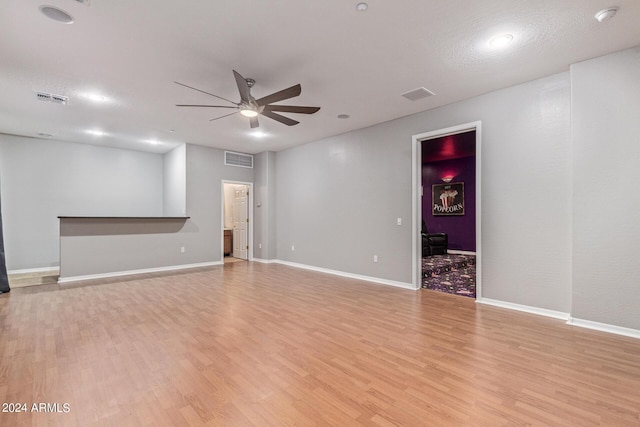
point(94, 96)
point(362, 7)
point(606, 14)
point(56, 14)
point(258, 134)
point(343, 116)
point(95, 132)
point(152, 141)
point(501, 41)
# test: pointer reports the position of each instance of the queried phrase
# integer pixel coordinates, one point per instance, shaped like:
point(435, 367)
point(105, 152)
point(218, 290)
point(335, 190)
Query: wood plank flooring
point(252, 344)
point(21, 280)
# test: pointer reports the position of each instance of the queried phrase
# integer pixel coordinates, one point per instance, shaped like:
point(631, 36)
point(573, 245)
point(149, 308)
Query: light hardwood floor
point(33, 279)
point(270, 345)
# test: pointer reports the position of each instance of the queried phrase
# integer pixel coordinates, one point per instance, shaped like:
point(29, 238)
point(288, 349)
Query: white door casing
point(417, 199)
point(241, 222)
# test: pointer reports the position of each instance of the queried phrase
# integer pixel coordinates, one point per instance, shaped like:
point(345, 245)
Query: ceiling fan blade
point(292, 109)
point(287, 93)
point(279, 118)
point(222, 117)
point(243, 87)
point(254, 122)
point(219, 97)
point(214, 106)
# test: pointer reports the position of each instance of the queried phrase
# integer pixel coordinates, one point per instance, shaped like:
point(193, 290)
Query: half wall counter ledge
point(94, 247)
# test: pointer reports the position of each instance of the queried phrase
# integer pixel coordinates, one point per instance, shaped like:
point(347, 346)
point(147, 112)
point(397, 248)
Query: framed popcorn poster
point(448, 199)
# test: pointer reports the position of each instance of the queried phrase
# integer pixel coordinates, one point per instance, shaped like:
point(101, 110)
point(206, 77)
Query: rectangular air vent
point(418, 93)
point(43, 96)
point(58, 99)
point(231, 158)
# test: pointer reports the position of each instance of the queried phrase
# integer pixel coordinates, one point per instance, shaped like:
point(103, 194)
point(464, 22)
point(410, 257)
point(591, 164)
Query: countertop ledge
point(126, 217)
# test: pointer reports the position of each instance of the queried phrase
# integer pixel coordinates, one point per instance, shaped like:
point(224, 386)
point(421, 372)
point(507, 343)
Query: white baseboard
point(348, 275)
point(524, 308)
point(263, 261)
point(604, 327)
point(63, 280)
point(457, 252)
point(35, 270)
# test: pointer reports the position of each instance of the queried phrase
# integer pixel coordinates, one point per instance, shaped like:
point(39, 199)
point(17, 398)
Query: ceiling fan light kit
point(249, 112)
point(250, 107)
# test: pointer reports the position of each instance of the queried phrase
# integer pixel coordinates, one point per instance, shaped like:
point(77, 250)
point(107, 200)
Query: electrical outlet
point(182, 250)
point(399, 221)
point(259, 245)
point(293, 248)
point(375, 258)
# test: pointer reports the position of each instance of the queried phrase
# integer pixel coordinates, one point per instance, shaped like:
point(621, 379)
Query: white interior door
point(241, 222)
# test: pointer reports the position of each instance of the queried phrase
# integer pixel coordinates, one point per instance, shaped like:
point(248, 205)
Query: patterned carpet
point(451, 273)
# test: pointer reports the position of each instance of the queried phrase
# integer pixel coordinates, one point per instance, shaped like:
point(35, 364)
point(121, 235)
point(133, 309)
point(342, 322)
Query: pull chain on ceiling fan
point(251, 107)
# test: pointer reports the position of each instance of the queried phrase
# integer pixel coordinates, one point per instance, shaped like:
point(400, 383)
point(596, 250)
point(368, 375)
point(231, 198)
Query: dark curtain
point(4, 279)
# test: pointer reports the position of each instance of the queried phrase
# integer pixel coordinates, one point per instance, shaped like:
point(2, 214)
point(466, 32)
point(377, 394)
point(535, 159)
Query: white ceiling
point(348, 62)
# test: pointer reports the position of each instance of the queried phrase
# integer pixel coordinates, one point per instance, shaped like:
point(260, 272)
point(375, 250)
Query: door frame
point(416, 154)
point(249, 229)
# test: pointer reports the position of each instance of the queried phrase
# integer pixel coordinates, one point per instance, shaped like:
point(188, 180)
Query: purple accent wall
point(461, 228)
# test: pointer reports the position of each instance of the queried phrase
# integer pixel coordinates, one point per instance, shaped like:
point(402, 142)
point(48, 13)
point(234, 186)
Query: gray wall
point(338, 198)
point(95, 247)
point(264, 225)
point(42, 179)
point(175, 182)
point(202, 235)
point(606, 153)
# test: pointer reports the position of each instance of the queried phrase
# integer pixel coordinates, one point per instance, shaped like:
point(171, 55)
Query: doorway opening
point(237, 228)
point(446, 186)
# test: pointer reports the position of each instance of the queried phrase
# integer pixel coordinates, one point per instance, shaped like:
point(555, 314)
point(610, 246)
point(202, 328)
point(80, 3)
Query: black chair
point(433, 243)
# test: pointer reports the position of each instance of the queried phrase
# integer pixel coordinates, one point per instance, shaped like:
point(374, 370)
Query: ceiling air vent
point(231, 158)
point(58, 99)
point(43, 96)
point(419, 93)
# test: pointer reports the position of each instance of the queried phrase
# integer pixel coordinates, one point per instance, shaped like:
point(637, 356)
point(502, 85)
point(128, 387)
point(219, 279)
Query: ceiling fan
point(251, 107)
